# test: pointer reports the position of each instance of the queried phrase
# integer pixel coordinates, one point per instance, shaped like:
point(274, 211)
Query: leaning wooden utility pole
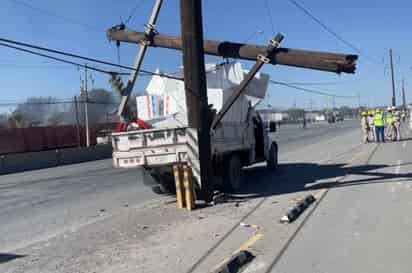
point(323, 61)
point(195, 87)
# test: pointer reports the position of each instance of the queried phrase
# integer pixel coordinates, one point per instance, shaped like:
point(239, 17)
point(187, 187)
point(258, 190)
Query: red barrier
point(34, 139)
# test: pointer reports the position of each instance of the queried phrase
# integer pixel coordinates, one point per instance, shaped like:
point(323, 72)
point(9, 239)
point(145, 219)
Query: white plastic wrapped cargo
point(221, 79)
point(149, 107)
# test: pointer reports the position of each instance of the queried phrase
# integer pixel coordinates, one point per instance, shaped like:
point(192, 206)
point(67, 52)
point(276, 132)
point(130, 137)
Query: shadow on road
point(289, 178)
point(7, 257)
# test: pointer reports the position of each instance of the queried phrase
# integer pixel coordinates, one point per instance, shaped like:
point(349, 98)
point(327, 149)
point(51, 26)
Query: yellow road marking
point(248, 243)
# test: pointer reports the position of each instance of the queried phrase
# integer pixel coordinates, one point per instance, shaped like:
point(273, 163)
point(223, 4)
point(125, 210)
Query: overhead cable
point(72, 55)
point(312, 91)
point(53, 14)
point(330, 31)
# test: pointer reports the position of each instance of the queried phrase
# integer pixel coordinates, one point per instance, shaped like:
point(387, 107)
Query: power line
point(315, 83)
point(55, 15)
point(55, 58)
point(324, 26)
point(56, 102)
point(132, 13)
point(312, 90)
point(269, 11)
point(33, 66)
point(59, 52)
point(332, 32)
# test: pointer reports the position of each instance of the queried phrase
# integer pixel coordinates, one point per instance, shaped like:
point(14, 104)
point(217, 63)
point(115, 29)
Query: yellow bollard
point(188, 186)
point(177, 171)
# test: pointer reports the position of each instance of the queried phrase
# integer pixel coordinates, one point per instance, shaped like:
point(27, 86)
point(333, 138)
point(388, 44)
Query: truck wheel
point(233, 173)
point(272, 161)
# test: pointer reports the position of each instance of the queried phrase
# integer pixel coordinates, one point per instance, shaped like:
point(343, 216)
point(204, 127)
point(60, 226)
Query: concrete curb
point(297, 210)
point(13, 163)
point(236, 261)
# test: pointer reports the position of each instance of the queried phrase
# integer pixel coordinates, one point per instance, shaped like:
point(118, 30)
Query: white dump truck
point(240, 139)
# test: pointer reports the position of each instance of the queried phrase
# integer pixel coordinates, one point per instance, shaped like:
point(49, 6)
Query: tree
point(36, 111)
point(18, 120)
point(101, 104)
point(4, 121)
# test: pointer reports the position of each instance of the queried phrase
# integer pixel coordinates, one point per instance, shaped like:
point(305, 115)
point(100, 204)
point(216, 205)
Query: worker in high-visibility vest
point(397, 124)
point(365, 127)
point(379, 126)
point(390, 130)
point(371, 127)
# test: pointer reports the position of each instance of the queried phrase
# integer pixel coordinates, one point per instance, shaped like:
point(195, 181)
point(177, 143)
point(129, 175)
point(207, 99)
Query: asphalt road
point(38, 205)
point(292, 137)
point(364, 222)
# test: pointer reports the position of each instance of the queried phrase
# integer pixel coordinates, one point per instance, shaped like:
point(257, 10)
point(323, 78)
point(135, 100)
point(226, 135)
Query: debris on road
point(218, 198)
point(235, 263)
point(297, 210)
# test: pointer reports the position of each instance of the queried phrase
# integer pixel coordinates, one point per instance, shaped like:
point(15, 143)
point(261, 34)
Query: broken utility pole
point(195, 87)
point(323, 61)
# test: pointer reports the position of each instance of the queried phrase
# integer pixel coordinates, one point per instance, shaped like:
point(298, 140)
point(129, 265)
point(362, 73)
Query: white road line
point(398, 167)
point(404, 144)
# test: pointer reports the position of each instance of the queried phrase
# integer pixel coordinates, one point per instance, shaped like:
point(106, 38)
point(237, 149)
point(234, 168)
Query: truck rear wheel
point(233, 173)
point(272, 161)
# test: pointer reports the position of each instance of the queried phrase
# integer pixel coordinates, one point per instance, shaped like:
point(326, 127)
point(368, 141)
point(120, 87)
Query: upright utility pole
point(86, 111)
point(393, 80)
point(403, 95)
point(77, 121)
point(195, 86)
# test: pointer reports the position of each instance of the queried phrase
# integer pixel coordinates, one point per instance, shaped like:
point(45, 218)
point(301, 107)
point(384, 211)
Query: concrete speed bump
point(235, 262)
point(297, 210)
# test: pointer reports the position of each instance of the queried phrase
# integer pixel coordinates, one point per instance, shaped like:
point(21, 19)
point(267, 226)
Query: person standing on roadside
point(379, 126)
point(372, 137)
point(365, 127)
point(396, 123)
point(390, 130)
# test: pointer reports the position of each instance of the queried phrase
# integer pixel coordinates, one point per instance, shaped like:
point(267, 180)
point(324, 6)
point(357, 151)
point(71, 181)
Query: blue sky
point(373, 26)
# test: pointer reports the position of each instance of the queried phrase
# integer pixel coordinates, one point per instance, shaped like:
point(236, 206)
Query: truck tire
point(160, 183)
point(232, 173)
point(272, 162)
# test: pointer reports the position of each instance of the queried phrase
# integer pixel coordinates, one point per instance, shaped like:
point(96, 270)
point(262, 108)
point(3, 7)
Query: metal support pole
point(393, 80)
point(195, 87)
point(149, 32)
point(86, 110)
point(403, 95)
point(77, 121)
point(261, 60)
